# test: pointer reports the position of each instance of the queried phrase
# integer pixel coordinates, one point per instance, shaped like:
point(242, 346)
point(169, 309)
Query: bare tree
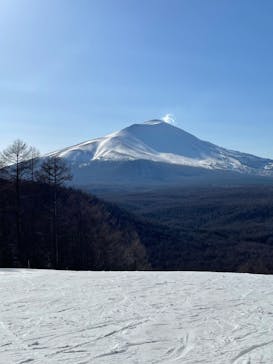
point(3, 172)
point(55, 172)
point(33, 161)
point(15, 160)
point(15, 164)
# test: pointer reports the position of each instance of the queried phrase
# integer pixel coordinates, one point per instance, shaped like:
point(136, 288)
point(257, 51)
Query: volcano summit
point(156, 152)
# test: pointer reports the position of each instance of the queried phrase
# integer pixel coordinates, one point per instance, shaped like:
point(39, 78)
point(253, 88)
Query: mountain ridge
point(156, 141)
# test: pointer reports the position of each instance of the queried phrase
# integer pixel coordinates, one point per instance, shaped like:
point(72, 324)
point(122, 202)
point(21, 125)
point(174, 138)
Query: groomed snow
point(135, 318)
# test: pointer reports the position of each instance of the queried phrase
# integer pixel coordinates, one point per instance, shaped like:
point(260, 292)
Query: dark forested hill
point(215, 229)
point(87, 233)
point(224, 229)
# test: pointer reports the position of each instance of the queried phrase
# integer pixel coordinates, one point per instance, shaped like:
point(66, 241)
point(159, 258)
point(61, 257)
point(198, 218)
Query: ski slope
point(135, 317)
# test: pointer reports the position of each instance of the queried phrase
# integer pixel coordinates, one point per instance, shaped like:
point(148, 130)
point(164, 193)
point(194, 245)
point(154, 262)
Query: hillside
point(226, 229)
point(213, 229)
point(90, 234)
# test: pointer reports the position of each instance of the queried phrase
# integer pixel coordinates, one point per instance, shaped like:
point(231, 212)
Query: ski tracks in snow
point(135, 318)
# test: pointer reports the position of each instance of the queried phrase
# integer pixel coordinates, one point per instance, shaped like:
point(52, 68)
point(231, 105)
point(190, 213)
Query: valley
point(215, 229)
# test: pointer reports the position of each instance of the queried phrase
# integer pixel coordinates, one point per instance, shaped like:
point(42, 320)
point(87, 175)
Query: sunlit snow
point(159, 141)
point(135, 318)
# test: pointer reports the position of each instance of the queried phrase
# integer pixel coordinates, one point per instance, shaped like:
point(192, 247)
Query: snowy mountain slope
point(158, 142)
point(135, 317)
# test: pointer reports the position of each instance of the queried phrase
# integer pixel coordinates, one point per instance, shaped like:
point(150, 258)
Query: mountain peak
point(159, 141)
point(154, 122)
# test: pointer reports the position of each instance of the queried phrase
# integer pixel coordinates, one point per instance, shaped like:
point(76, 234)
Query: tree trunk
point(55, 229)
point(18, 212)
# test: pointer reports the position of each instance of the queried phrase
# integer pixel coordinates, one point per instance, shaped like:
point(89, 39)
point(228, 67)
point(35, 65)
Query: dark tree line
point(44, 224)
point(55, 173)
point(19, 163)
point(209, 229)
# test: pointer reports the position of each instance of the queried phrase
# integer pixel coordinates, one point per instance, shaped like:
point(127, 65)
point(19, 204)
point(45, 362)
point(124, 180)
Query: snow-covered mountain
point(155, 151)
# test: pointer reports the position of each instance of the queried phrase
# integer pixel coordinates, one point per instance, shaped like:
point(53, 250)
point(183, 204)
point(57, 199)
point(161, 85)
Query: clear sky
point(71, 70)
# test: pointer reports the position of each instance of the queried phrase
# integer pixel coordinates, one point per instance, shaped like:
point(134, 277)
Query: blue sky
point(71, 70)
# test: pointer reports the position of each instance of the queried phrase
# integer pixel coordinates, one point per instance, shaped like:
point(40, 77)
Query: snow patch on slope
point(158, 141)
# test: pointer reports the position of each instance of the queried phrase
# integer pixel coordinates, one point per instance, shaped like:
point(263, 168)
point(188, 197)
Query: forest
point(203, 228)
point(44, 223)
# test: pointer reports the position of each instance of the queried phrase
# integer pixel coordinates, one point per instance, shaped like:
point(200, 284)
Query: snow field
point(135, 317)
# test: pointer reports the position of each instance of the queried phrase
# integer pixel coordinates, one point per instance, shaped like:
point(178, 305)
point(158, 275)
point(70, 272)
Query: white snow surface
point(158, 141)
point(135, 317)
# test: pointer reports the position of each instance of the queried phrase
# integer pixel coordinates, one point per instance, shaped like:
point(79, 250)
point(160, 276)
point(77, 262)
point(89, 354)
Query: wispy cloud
point(169, 118)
